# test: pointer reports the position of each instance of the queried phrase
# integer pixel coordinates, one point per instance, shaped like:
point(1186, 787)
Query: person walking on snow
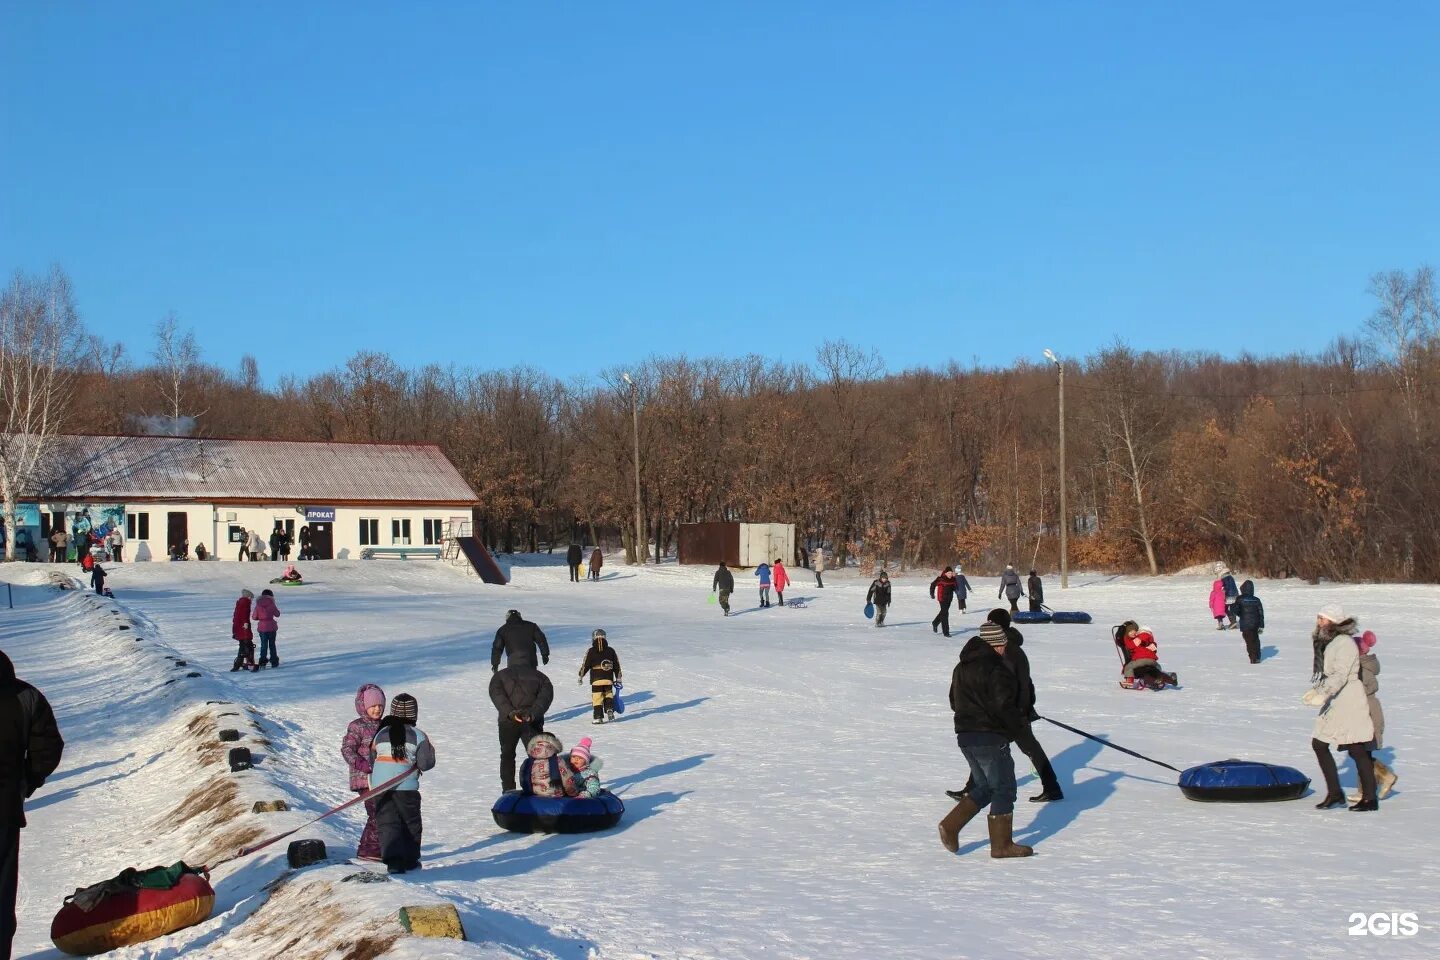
point(1250, 614)
point(819, 566)
point(240, 633)
point(521, 695)
point(1232, 593)
point(597, 560)
point(943, 589)
point(1016, 659)
point(962, 588)
point(879, 595)
point(520, 640)
point(780, 578)
point(763, 572)
point(1010, 587)
point(1344, 719)
point(603, 664)
point(97, 579)
point(985, 696)
point(265, 616)
point(30, 751)
point(355, 748)
point(572, 560)
point(244, 545)
point(400, 745)
point(116, 541)
point(1037, 592)
point(724, 581)
point(1385, 778)
point(1217, 604)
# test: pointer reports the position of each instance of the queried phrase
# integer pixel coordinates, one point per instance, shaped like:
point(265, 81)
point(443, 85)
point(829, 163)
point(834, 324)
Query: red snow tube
point(132, 917)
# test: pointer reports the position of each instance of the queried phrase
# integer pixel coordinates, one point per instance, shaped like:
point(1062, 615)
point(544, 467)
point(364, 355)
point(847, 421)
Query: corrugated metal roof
point(119, 469)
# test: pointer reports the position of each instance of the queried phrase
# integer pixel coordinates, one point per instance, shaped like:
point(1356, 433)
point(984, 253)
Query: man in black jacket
point(1016, 659)
point(725, 582)
point(985, 697)
point(521, 695)
point(1037, 592)
point(879, 594)
point(572, 559)
point(30, 749)
point(1250, 613)
point(519, 639)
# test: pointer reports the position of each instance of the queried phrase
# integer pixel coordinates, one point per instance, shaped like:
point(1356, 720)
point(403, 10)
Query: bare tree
point(177, 355)
point(40, 338)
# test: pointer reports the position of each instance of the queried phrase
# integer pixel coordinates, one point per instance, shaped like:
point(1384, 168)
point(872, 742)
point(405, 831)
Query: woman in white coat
point(1344, 719)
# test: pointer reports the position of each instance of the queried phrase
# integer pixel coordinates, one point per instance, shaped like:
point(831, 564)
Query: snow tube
point(132, 916)
point(524, 813)
point(1243, 781)
point(1029, 616)
point(1070, 616)
point(288, 583)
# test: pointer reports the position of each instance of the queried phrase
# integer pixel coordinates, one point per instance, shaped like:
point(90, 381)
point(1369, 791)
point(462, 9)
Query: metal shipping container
point(738, 544)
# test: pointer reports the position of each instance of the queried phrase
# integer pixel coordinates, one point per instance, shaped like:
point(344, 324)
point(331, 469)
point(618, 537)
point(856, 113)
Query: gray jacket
point(1010, 585)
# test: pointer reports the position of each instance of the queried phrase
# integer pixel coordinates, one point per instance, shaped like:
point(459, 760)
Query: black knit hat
point(999, 615)
point(405, 707)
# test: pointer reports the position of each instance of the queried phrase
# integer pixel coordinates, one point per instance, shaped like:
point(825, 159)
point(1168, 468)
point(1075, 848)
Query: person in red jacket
point(942, 589)
point(1142, 657)
point(240, 631)
point(780, 578)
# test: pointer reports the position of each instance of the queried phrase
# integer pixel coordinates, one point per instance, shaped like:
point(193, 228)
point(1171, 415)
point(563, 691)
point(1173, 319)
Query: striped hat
point(405, 707)
point(993, 634)
point(582, 749)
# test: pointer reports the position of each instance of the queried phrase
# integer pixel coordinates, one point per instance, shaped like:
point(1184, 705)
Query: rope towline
point(1112, 746)
point(358, 798)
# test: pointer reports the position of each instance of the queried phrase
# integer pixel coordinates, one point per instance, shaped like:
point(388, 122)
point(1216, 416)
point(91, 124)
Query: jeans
point(993, 770)
point(818, 581)
point(574, 572)
point(267, 646)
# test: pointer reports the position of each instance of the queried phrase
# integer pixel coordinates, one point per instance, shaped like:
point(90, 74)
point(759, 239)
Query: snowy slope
point(783, 769)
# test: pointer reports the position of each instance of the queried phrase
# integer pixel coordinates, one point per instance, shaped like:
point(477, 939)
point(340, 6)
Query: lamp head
point(626, 378)
point(1049, 355)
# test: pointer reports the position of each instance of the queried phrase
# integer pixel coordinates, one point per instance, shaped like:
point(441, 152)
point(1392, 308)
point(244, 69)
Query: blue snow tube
point(1070, 616)
point(1028, 616)
point(1243, 781)
point(525, 813)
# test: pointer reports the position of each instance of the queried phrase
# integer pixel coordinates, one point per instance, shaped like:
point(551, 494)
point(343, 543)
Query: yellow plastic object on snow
point(582, 571)
point(132, 917)
point(438, 920)
point(270, 806)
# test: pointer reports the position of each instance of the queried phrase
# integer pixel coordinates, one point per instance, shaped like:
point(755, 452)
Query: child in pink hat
point(587, 768)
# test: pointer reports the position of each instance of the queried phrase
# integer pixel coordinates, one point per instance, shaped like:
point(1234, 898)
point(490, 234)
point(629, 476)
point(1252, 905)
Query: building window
point(137, 526)
point(369, 533)
point(434, 532)
point(400, 532)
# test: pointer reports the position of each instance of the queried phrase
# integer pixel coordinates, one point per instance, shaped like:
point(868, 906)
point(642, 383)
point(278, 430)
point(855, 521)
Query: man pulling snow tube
point(134, 907)
point(1242, 781)
point(526, 813)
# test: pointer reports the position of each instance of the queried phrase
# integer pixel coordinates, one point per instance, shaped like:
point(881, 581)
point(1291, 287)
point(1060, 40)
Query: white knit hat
point(1333, 612)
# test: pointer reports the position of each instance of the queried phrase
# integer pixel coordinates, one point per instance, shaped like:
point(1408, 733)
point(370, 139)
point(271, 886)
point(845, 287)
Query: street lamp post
point(1064, 511)
point(640, 546)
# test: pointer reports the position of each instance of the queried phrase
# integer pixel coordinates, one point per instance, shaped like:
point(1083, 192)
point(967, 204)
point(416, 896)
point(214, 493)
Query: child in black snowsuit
point(603, 665)
point(97, 579)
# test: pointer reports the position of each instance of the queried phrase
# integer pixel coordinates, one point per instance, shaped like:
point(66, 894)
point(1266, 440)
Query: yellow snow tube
point(132, 917)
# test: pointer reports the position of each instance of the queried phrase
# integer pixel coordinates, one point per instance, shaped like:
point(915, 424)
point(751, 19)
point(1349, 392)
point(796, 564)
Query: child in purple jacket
point(355, 748)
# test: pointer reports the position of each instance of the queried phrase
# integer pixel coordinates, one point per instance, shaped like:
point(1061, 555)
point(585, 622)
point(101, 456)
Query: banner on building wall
point(93, 519)
point(27, 514)
point(319, 514)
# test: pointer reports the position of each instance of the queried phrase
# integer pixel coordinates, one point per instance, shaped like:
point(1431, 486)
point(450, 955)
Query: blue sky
point(579, 185)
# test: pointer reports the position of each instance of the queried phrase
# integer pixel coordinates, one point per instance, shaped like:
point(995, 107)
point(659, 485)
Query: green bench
point(404, 553)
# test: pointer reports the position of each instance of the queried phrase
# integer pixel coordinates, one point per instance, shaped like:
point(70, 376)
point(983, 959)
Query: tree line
point(1310, 465)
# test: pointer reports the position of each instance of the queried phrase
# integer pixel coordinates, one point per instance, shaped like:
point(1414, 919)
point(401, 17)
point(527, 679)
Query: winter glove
point(580, 679)
point(545, 661)
point(1312, 697)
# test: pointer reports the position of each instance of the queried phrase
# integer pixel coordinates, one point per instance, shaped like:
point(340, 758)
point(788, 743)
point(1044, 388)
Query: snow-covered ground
point(783, 769)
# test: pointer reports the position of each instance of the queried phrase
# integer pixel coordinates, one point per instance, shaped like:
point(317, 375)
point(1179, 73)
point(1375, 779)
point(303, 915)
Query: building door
point(322, 541)
point(177, 533)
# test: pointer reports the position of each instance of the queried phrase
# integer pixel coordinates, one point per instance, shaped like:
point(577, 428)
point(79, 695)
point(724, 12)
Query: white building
point(169, 492)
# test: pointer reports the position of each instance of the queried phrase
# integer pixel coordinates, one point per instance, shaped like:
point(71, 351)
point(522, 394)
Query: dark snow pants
point(942, 619)
point(1036, 755)
point(818, 582)
point(993, 771)
point(574, 573)
point(397, 820)
point(880, 609)
point(1252, 644)
point(514, 734)
point(1364, 766)
point(9, 885)
point(1034, 604)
